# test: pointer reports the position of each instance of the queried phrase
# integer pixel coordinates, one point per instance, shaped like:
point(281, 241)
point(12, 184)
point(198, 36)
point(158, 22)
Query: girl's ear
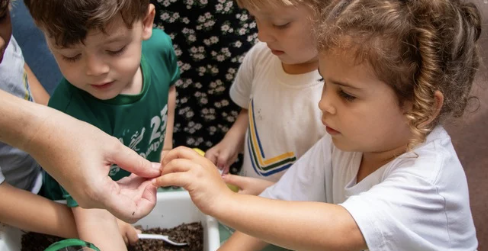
point(147, 22)
point(439, 102)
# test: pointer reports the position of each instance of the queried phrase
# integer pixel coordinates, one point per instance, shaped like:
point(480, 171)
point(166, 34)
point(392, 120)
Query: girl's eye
point(320, 79)
point(117, 52)
point(72, 59)
point(346, 96)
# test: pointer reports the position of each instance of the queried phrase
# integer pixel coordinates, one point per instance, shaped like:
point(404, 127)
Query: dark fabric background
point(210, 38)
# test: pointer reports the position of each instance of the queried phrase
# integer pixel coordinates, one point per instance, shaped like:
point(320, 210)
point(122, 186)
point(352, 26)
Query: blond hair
point(417, 47)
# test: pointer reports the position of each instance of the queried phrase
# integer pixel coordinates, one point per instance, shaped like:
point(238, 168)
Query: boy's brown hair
point(68, 21)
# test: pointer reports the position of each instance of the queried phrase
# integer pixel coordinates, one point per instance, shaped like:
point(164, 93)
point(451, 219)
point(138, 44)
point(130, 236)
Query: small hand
point(186, 168)
point(128, 232)
point(222, 155)
point(247, 185)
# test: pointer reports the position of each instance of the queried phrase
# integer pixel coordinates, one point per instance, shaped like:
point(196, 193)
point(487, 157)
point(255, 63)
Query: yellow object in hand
point(199, 151)
point(230, 186)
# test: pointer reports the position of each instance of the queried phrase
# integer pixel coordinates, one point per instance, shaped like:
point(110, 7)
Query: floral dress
point(210, 38)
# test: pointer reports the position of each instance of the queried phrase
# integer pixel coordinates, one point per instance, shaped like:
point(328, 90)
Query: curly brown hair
point(417, 47)
point(259, 4)
point(68, 22)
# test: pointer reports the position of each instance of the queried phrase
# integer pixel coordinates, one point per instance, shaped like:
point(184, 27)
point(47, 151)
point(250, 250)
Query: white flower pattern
point(210, 39)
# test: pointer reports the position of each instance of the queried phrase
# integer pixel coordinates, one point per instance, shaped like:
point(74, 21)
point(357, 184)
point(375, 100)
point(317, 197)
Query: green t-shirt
point(138, 121)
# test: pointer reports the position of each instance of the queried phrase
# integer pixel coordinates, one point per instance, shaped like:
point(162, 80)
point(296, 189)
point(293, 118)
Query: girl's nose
point(325, 104)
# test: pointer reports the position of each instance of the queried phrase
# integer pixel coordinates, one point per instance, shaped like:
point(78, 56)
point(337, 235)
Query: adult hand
point(186, 168)
point(79, 156)
point(247, 185)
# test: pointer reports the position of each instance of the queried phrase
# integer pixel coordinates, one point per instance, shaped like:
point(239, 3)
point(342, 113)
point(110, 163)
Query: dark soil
point(37, 242)
point(191, 233)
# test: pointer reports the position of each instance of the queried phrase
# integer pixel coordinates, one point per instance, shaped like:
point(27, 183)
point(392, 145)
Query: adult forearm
point(296, 225)
point(31, 212)
point(19, 119)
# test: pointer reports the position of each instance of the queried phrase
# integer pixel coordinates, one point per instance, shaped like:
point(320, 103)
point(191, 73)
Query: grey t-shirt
point(17, 167)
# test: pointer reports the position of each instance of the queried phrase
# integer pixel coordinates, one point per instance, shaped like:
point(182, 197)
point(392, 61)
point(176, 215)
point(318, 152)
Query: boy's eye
point(116, 52)
point(346, 96)
point(282, 26)
point(71, 59)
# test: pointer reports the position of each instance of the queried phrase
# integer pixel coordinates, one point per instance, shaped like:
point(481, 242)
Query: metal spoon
point(160, 237)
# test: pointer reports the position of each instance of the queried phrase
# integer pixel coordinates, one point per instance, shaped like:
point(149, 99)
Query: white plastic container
point(172, 209)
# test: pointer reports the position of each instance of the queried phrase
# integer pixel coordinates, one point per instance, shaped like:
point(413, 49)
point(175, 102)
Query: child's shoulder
point(432, 159)
point(159, 41)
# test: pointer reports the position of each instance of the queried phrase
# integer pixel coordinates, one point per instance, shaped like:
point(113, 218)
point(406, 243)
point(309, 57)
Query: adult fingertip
point(156, 166)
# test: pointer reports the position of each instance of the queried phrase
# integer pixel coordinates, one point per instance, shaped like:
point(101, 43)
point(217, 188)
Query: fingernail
point(156, 165)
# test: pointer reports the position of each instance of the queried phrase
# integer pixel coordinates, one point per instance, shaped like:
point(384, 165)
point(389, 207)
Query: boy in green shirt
point(119, 75)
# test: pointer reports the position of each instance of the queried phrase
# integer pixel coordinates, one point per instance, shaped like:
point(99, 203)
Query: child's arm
point(295, 225)
point(40, 94)
point(168, 138)
point(99, 227)
point(247, 185)
point(128, 232)
point(244, 242)
point(30, 212)
point(225, 152)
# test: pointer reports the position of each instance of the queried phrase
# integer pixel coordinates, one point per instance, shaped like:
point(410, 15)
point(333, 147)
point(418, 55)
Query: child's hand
point(164, 152)
point(128, 232)
point(223, 155)
point(184, 167)
point(247, 185)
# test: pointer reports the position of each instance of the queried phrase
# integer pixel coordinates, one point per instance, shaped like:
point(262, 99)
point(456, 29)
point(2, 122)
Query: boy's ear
point(147, 23)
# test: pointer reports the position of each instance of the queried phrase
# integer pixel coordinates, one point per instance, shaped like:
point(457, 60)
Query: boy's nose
point(264, 34)
point(95, 66)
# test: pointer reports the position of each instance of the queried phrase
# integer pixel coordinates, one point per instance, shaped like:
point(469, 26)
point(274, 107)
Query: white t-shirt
point(412, 203)
point(17, 167)
point(284, 118)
